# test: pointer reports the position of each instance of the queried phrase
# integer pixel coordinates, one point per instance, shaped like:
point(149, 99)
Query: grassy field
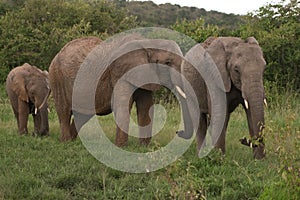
point(44, 168)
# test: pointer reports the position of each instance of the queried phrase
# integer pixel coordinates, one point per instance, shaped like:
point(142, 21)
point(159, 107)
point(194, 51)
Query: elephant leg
point(122, 117)
point(16, 113)
point(220, 144)
point(144, 102)
point(81, 119)
point(201, 132)
point(64, 120)
point(37, 123)
point(14, 100)
point(23, 112)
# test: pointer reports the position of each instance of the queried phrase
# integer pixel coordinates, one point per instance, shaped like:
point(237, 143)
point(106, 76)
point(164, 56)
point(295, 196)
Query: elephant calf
point(28, 90)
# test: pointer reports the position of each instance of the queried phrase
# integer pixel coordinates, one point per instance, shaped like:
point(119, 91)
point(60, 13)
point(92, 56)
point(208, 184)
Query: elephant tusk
point(246, 104)
point(48, 110)
point(35, 111)
point(180, 91)
point(265, 102)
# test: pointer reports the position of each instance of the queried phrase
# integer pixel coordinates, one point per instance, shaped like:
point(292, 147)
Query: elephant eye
point(31, 93)
point(168, 63)
point(236, 69)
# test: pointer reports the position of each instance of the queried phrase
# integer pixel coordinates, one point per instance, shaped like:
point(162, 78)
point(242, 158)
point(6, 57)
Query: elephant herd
point(119, 84)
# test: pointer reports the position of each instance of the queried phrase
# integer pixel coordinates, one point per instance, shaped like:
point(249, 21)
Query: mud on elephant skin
point(28, 90)
point(241, 65)
point(130, 52)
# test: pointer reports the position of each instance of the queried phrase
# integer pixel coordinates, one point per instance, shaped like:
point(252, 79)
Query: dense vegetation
point(35, 30)
point(150, 14)
point(277, 28)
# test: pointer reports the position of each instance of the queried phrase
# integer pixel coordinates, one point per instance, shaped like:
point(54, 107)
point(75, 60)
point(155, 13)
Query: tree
point(277, 28)
point(38, 29)
point(196, 29)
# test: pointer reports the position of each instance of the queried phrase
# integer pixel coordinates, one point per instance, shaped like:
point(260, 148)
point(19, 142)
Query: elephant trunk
point(184, 94)
point(41, 116)
point(254, 105)
point(187, 133)
point(44, 127)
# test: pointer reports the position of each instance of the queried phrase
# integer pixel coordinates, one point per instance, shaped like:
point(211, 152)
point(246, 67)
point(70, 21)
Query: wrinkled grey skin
point(67, 63)
point(241, 65)
point(28, 90)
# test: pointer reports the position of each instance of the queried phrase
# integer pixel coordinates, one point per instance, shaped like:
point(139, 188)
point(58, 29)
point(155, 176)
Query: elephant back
point(71, 56)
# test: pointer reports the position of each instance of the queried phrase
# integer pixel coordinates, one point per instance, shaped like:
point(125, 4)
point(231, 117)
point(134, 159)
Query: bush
point(36, 30)
point(197, 30)
point(277, 29)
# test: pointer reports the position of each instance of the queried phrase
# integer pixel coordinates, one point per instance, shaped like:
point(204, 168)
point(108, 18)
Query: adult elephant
point(28, 90)
point(241, 66)
point(129, 51)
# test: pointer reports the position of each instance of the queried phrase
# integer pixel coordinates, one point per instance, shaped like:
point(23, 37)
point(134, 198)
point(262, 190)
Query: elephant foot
point(66, 138)
point(44, 134)
point(121, 144)
point(40, 133)
point(145, 141)
point(259, 152)
point(121, 138)
point(24, 132)
point(183, 134)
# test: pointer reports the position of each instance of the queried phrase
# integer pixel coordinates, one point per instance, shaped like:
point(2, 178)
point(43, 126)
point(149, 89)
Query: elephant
point(65, 67)
point(28, 90)
point(241, 66)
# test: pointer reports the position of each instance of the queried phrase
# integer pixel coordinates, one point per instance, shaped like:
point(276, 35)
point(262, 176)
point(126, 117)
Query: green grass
point(44, 168)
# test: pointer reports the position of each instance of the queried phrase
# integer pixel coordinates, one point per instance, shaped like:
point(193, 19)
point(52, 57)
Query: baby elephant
point(28, 90)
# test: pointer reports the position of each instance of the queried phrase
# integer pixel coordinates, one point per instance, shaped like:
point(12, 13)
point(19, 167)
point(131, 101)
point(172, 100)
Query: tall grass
point(44, 168)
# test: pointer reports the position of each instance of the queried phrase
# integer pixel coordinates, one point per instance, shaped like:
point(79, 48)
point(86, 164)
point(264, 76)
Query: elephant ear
point(217, 51)
point(46, 73)
point(208, 42)
point(251, 40)
point(19, 88)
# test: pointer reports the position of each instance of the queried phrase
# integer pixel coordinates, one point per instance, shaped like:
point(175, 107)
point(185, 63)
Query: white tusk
point(48, 110)
point(265, 102)
point(180, 91)
point(246, 104)
point(35, 111)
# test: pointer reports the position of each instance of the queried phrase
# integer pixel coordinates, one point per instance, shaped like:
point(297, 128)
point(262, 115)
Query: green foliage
point(277, 28)
point(165, 15)
point(284, 132)
point(198, 30)
point(7, 5)
point(150, 14)
point(35, 31)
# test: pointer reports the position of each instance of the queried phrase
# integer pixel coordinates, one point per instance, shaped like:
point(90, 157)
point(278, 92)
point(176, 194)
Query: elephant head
point(31, 87)
point(154, 55)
